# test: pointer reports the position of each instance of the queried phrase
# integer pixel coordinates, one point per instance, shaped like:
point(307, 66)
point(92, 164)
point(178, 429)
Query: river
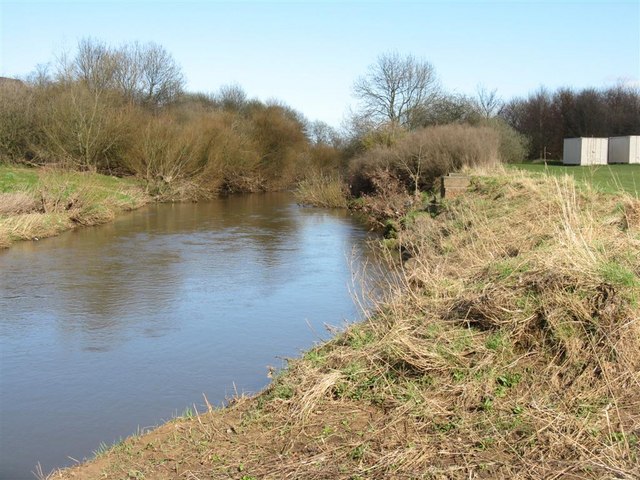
point(105, 331)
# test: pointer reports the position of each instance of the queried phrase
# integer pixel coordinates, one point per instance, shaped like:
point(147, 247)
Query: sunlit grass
point(607, 178)
point(37, 203)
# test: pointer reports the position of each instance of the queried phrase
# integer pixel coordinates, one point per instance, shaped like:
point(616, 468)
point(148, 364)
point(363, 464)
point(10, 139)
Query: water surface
point(109, 329)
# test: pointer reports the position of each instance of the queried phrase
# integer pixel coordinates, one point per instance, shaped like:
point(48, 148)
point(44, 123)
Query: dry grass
point(34, 226)
point(59, 200)
point(508, 348)
point(16, 203)
point(321, 190)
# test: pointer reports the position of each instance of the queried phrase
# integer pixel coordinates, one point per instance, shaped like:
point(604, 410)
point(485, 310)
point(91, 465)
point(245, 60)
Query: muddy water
point(107, 330)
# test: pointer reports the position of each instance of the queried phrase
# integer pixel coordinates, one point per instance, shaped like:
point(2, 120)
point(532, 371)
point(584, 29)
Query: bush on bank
point(420, 156)
point(191, 148)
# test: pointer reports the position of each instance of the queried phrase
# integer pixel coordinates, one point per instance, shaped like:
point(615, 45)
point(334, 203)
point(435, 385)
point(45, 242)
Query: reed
point(322, 190)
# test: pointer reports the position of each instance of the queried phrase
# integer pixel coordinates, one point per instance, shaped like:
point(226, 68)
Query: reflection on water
point(107, 329)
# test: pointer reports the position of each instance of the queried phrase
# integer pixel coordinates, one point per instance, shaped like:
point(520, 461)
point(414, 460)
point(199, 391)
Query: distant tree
point(161, 79)
point(40, 76)
point(94, 65)
point(128, 71)
point(623, 109)
point(144, 73)
point(321, 133)
point(447, 108)
point(395, 89)
point(487, 102)
point(534, 116)
point(547, 118)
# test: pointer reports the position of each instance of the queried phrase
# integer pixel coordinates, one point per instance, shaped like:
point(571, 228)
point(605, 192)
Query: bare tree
point(161, 79)
point(488, 103)
point(94, 65)
point(321, 133)
point(145, 73)
point(395, 88)
point(40, 76)
point(128, 72)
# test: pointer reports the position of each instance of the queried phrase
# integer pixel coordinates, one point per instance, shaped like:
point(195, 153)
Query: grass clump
point(40, 203)
point(507, 347)
point(322, 190)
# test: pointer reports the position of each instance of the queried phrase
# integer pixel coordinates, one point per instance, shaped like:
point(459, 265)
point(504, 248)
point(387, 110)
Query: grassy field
point(38, 203)
point(508, 347)
point(607, 178)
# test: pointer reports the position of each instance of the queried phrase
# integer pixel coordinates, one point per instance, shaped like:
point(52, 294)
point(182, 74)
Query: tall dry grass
point(322, 190)
point(16, 203)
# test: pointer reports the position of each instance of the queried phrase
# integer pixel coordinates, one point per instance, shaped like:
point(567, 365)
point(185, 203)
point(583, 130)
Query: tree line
point(402, 92)
point(124, 110)
point(546, 118)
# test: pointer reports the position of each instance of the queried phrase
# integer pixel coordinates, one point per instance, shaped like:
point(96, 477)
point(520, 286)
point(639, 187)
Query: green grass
point(103, 188)
point(17, 179)
point(607, 178)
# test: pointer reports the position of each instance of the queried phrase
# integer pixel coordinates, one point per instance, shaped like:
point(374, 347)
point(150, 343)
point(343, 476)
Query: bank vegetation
point(123, 111)
point(40, 203)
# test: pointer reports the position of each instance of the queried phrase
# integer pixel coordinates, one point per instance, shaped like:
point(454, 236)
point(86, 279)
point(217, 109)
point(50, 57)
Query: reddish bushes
point(420, 156)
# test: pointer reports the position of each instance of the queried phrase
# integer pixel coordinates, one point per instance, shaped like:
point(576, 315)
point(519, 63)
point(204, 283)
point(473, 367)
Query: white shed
point(585, 151)
point(624, 149)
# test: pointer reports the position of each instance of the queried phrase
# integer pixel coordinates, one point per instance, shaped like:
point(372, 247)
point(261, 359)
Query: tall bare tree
point(488, 103)
point(161, 79)
point(145, 73)
point(94, 65)
point(395, 88)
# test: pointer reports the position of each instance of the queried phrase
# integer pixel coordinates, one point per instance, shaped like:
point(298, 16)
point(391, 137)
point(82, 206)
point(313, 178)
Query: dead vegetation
point(508, 348)
point(322, 190)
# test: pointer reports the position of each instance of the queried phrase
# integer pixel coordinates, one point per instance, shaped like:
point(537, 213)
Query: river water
point(112, 329)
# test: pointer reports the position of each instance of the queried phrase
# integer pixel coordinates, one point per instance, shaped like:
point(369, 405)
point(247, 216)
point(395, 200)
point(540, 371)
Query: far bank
point(36, 203)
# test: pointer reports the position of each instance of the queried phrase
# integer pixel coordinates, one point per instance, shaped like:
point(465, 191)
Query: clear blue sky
point(308, 54)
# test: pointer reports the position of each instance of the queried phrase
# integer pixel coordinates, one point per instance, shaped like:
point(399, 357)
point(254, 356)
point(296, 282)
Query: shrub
point(280, 142)
point(83, 130)
point(167, 153)
point(418, 158)
point(513, 145)
point(18, 128)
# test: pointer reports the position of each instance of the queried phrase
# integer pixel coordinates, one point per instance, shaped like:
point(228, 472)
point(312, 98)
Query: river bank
point(507, 348)
point(37, 203)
